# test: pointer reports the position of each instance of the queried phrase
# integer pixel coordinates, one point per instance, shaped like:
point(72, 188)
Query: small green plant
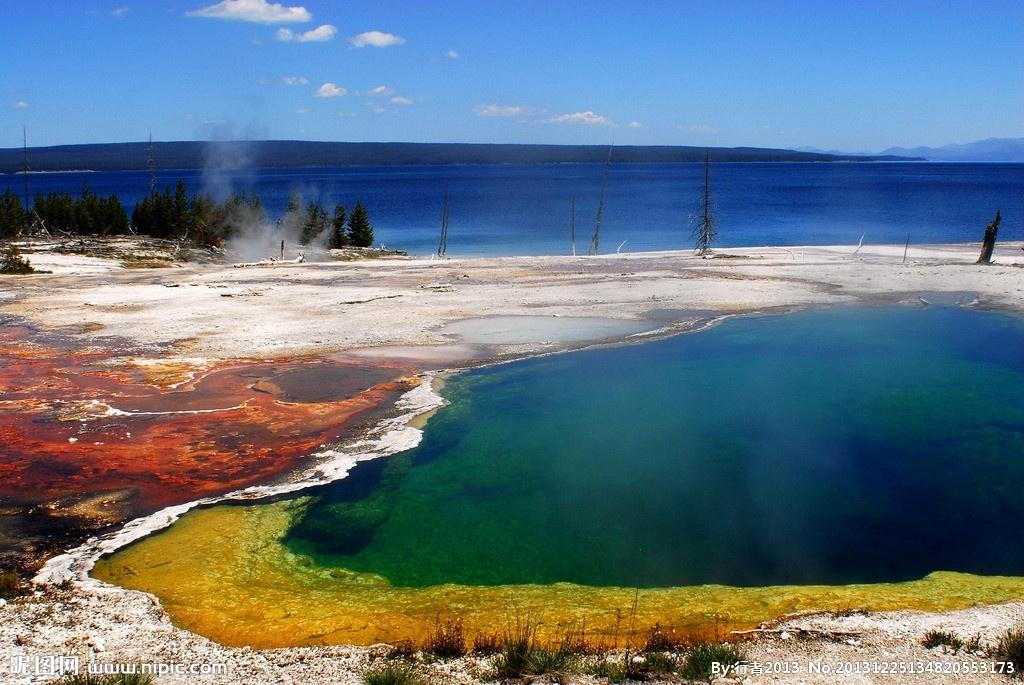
point(1010, 649)
point(447, 640)
point(10, 585)
point(607, 668)
point(393, 673)
point(11, 262)
point(659, 663)
point(974, 644)
point(517, 649)
point(522, 655)
point(649, 666)
point(941, 638)
point(111, 679)
point(634, 667)
point(545, 660)
point(702, 655)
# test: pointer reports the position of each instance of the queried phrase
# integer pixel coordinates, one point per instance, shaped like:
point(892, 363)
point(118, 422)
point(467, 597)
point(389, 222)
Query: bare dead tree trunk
point(705, 232)
point(595, 240)
point(572, 224)
point(989, 243)
point(442, 245)
point(24, 169)
point(151, 165)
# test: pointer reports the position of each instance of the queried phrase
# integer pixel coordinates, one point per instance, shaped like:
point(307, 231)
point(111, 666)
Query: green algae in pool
point(840, 446)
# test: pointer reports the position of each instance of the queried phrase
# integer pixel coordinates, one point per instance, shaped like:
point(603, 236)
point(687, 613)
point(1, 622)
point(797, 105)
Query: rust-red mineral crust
point(74, 422)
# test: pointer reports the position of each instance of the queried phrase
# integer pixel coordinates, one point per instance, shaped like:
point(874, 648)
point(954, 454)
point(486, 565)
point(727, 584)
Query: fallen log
point(270, 262)
point(806, 632)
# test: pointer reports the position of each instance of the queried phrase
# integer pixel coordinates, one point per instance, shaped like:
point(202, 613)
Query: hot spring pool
point(822, 459)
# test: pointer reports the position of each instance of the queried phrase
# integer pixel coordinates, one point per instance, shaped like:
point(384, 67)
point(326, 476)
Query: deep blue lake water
point(525, 209)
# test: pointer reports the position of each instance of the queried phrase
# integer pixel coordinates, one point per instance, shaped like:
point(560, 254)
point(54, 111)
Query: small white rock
point(785, 635)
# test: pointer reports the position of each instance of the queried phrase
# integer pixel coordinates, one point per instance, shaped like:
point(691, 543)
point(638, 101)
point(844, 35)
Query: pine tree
point(294, 207)
point(339, 238)
point(313, 224)
point(180, 211)
point(360, 232)
point(11, 262)
point(12, 215)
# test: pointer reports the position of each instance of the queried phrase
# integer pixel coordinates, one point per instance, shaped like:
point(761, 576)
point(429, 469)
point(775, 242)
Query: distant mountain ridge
point(298, 153)
point(988, 150)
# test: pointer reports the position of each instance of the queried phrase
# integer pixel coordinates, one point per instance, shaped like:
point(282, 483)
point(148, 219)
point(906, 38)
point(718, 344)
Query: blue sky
point(854, 76)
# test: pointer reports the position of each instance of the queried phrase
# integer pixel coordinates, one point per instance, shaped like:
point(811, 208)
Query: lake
point(525, 209)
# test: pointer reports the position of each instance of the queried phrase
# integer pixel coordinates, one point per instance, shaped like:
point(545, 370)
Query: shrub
point(403, 649)
point(941, 638)
point(485, 644)
point(112, 679)
point(661, 640)
point(1011, 649)
point(701, 656)
point(10, 584)
point(393, 673)
point(11, 262)
point(447, 640)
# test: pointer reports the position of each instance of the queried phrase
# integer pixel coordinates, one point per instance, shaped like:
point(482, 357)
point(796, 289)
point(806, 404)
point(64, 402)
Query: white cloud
point(376, 39)
point(20, 104)
point(320, 34)
point(587, 117)
point(400, 100)
point(348, 115)
point(452, 54)
point(120, 11)
point(493, 110)
point(703, 128)
point(295, 81)
point(330, 90)
point(302, 110)
point(634, 124)
point(380, 91)
point(257, 11)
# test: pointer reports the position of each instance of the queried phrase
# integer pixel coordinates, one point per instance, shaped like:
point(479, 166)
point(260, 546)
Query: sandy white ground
point(398, 309)
point(213, 311)
point(114, 626)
